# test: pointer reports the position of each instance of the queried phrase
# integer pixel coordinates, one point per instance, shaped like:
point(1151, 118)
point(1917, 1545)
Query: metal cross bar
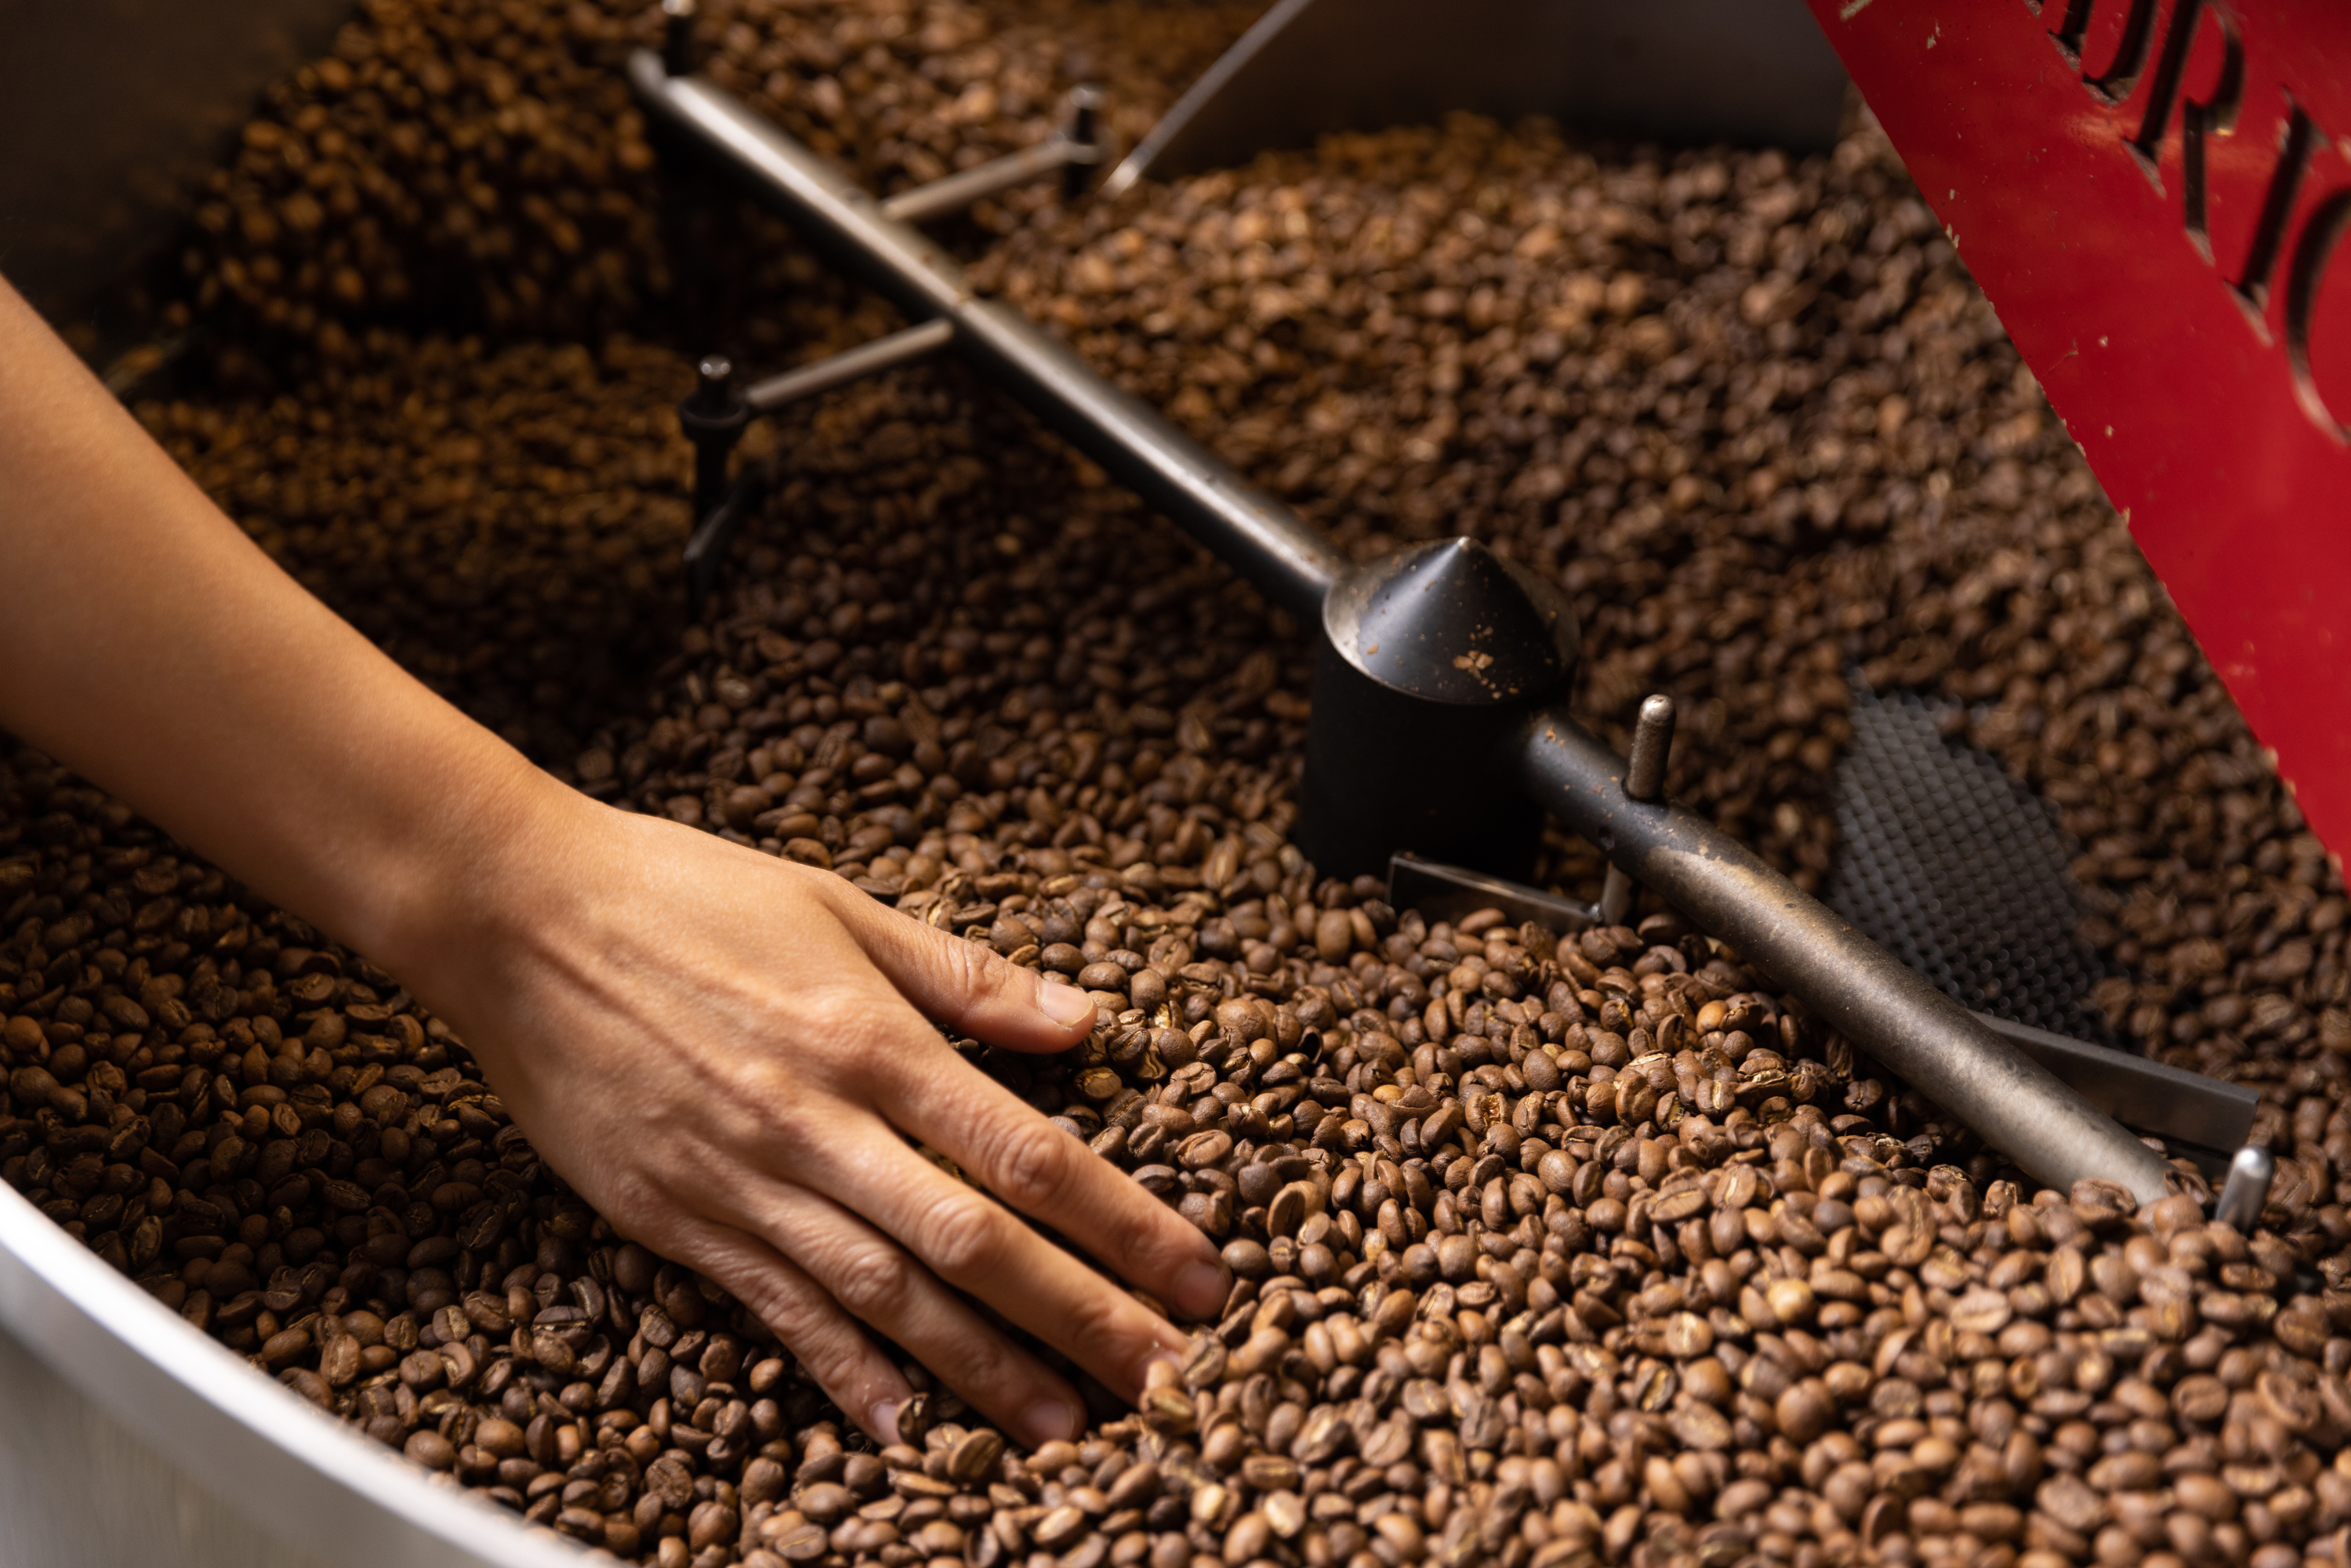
point(2204, 1118)
point(1848, 981)
point(850, 364)
point(1073, 151)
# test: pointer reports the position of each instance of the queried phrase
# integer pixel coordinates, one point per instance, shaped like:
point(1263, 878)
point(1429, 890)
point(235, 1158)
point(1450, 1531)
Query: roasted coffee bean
point(1549, 1246)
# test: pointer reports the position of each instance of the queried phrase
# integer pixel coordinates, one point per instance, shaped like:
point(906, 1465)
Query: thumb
point(967, 987)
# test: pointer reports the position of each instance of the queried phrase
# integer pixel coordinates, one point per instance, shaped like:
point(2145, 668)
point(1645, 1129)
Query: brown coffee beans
point(1549, 1248)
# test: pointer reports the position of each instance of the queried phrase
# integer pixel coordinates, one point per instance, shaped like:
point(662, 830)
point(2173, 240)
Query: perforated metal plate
point(1960, 872)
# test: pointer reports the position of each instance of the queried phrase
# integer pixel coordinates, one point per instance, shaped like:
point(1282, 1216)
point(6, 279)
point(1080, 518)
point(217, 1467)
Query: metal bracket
point(1450, 891)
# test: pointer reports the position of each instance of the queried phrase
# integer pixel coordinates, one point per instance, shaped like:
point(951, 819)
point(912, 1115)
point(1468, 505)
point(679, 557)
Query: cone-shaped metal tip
point(1454, 623)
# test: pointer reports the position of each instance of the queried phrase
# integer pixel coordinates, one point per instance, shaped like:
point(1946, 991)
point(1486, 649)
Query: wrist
point(467, 873)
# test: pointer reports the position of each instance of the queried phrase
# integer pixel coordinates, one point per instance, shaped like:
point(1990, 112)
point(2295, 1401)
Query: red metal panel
point(2152, 193)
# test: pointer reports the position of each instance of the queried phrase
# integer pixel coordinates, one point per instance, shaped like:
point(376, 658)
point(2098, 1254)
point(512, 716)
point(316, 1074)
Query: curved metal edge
point(1682, 71)
point(113, 114)
point(261, 1449)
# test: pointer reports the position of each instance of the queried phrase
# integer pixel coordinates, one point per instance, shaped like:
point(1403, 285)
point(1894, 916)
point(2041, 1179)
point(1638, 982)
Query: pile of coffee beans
point(456, 165)
point(505, 524)
point(1551, 1247)
point(1548, 1247)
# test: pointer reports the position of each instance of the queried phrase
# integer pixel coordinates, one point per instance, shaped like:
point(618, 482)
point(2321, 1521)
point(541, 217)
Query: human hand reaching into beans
point(726, 1054)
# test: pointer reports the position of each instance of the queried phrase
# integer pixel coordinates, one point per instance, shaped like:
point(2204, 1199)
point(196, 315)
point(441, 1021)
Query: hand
point(726, 1053)
point(722, 1052)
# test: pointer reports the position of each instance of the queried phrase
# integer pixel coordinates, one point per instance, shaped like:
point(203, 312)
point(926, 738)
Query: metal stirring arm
point(1847, 981)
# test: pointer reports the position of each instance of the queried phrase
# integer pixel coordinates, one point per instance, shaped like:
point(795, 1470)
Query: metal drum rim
point(254, 1444)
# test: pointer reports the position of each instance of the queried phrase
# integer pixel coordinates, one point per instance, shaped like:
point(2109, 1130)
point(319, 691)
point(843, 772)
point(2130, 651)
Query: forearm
point(148, 643)
point(722, 1050)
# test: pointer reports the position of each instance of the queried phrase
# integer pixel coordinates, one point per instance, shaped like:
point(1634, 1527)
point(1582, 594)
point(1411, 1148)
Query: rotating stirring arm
point(1847, 981)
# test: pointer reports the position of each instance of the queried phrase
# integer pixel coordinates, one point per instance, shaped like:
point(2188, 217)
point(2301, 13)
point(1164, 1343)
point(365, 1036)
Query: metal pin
point(713, 375)
point(2247, 1191)
point(712, 417)
point(1653, 737)
point(1083, 132)
point(1644, 780)
point(677, 36)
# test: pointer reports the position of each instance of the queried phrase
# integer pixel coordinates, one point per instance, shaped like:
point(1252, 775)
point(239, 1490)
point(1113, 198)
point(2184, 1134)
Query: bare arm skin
point(725, 1052)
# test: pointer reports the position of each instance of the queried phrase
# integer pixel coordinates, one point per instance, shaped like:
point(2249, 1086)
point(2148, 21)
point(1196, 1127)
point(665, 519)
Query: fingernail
point(1200, 1289)
point(1051, 1419)
point(1164, 1370)
point(882, 1420)
point(1064, 1003)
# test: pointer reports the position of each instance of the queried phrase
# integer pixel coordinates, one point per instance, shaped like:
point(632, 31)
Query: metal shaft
point(677, 33)
point(1258, 537)
point(1848, 982)
point(714, 417)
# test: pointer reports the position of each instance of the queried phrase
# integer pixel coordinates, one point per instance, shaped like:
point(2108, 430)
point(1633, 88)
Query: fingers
point(978, 1247)
point(1005, 1145)
point(964, 987)
point(862, 1274)
point(1034, 1166)
point(838, 1354)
